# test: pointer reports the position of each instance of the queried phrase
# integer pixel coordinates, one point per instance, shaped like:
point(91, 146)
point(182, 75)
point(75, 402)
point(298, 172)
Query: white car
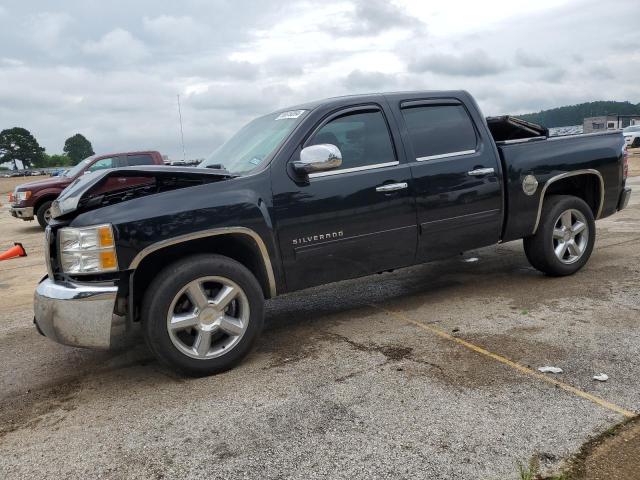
point(632, 135)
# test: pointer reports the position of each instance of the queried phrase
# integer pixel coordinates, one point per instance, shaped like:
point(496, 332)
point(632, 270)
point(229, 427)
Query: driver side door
point(352, 221)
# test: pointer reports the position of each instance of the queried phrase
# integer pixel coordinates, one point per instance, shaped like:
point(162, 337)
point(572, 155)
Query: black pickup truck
point(317, 193)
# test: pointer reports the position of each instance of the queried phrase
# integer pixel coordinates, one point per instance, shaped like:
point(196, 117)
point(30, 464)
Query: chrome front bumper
point(78, 315)
point(25, 213)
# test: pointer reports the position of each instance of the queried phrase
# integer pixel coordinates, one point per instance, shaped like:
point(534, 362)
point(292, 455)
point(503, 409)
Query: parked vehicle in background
point(33, 200)
point(632, 135)
point(57, 172)
point(314, 194)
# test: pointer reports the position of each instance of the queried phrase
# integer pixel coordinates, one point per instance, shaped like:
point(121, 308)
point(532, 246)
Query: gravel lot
point(371, 378)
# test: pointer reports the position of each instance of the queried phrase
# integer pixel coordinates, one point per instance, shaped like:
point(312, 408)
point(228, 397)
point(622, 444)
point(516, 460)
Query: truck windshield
point(254, 143)
point(72, 172)
point(632, 128)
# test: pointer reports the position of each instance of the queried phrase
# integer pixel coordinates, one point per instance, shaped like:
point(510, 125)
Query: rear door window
point(440, 130)
point(142, 159)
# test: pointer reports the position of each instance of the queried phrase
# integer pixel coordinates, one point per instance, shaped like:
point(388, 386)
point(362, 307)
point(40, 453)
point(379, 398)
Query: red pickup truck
point(34, 199)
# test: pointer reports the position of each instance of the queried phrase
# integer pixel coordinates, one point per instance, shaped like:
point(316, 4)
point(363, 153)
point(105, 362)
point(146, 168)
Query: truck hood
point(41, 185)
point(86, 192)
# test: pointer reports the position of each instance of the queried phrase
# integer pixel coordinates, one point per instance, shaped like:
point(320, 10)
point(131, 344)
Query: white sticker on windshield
point(290, 114)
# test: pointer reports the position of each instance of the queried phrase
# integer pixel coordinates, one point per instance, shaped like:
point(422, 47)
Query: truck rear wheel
point(565, 237)
point(44, 213)
point(201, 315)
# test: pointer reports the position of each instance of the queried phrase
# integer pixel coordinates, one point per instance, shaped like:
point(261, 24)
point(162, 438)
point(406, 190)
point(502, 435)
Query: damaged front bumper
point(25, 213)
point(78, 314)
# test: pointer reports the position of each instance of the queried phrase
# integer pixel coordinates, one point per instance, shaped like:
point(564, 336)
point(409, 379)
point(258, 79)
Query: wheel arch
point(238, 243)
point(44, 198)
point(585, 184)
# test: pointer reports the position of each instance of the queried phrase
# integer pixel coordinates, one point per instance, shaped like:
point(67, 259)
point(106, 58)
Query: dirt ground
point(634, 161)
point(426, 372)
point(613, 455)
point(8, 184)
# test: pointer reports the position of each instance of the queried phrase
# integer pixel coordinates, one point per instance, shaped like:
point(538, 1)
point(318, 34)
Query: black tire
point(42, 213)
point(166, 286)
point(636, 142)
point(539, 248)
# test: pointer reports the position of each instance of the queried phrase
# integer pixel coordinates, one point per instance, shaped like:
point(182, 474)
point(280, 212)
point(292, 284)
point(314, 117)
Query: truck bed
point(550, 158)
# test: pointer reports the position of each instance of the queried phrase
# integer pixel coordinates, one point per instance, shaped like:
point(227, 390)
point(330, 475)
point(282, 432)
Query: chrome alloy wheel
point(47, 216)
point(570, 236)
point(208, 317)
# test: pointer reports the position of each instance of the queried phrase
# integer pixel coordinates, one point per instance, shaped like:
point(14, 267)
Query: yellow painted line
point(521, 368)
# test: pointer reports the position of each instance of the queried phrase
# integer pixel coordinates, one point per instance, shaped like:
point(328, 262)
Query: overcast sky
point(111, 70)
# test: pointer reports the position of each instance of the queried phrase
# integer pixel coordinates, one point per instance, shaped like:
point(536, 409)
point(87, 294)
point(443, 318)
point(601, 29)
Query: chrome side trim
point(521, 140)
point(212, 233)
point(588, 171)
point(353, 169)
point(446, 155)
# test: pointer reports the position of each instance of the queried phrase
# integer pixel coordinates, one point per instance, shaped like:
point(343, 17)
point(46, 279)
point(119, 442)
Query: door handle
point(480, 171)
point(392, 187)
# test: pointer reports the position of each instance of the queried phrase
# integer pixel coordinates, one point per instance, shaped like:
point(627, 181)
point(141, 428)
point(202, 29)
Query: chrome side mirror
point(318, 158)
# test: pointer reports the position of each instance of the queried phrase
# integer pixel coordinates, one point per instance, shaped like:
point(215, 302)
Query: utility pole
point(184, 153)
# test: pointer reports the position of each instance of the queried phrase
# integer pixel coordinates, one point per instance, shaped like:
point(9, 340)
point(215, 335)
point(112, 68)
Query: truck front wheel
point(44, 213)
point(201, 315)
point(565, 237)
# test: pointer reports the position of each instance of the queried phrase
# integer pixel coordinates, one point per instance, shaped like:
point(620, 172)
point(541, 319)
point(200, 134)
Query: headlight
point(87, 250)
point(22, 196)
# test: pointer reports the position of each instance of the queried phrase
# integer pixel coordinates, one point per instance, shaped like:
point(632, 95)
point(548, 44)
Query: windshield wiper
point(219, 166)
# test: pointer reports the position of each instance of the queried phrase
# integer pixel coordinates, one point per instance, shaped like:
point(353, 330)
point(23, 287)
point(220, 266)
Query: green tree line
point(18, 144)
point(575, 114)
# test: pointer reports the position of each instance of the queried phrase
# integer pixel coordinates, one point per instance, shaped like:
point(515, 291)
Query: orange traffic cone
point(16, 251)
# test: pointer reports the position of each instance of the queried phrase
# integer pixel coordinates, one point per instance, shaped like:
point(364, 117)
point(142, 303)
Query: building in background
point(609, 122)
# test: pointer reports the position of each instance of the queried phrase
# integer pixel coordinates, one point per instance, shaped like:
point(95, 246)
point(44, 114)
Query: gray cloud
point(474, 63)
point(117, 46)
point(554, 74)
point(376, 16)
point(358, 80)
point(252, 101)
point(525, 58)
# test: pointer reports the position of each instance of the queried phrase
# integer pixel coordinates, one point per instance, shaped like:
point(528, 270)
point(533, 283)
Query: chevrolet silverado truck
point(33, 200)
point(308, 195)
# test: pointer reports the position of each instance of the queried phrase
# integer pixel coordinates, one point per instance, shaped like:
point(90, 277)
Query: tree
point(77, 148)
point(18, 144)
point(50, 161)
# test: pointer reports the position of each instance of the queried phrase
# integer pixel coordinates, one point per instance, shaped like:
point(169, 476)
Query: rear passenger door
point(456, 177)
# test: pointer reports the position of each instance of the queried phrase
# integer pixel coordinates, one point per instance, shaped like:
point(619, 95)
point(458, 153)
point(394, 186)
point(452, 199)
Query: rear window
point(139, 160)
point(439, 130)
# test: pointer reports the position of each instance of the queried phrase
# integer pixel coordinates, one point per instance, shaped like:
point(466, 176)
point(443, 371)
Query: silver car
point(632, 135)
